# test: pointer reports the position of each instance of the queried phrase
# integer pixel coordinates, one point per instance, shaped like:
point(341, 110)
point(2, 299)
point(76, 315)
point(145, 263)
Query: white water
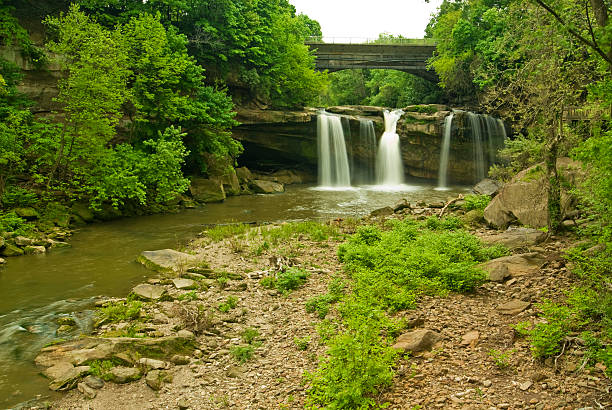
point(367, 139)
point(443, 170)
point(389, 166)
point(334, 171)
point(480, 171)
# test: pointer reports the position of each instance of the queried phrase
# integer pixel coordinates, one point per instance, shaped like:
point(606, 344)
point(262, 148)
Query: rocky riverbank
point(210, 332)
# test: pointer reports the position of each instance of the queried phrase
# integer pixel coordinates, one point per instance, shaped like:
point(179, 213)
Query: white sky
point(369, 18)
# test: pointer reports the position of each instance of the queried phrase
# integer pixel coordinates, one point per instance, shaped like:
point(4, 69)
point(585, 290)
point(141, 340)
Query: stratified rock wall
point(288, 139)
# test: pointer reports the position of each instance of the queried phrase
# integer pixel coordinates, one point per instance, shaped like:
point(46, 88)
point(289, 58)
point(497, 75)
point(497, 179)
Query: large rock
point(207, 190)
point(2, 242)
point(149, 292)
point(64, 375)
point(525, 197)
point(11, 250)
point(513, 265)
point(23, 241)
point(34, 250)
point(83, 211)
point(514, 238)
point(417, 341)
point(230, 182)
point(244, 175)
point(27, 213)
point(513, 307)
point(487, 187)
point(184, 284)
point(266, 187)
point(82, 351)
point(168, 260)
point(124, 374)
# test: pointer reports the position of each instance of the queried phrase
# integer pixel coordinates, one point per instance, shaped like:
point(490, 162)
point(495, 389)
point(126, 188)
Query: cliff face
point(280, 139)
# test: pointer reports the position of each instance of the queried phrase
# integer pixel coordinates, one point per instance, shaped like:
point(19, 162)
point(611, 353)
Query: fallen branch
point(449, 203)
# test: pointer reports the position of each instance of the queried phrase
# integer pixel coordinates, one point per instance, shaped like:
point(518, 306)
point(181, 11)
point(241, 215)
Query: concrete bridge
point(410, 57)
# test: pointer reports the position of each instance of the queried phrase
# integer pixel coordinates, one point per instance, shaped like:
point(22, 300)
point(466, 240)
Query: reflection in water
point(35, 290)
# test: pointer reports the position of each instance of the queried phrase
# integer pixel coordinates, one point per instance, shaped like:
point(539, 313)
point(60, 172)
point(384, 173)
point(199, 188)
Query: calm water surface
point(35, 290)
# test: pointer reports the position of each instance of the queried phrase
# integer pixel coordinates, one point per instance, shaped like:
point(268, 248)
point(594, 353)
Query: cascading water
point(367, 139)
point(443, 170)
point(487, 133)
point(480, 170)
point(389, 166)
point(333, 161)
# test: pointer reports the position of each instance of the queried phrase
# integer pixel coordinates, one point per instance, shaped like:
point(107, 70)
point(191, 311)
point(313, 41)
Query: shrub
point(230, 303)
point(242, 354)
point(286, 281)
point(478, 202)
point(120, 311)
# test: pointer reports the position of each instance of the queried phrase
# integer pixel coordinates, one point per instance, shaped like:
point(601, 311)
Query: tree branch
point(575, 33)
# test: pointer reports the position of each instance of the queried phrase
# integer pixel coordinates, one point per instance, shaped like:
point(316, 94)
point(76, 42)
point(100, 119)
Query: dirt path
point(480, 363)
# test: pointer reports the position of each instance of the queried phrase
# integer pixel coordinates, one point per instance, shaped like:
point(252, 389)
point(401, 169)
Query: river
point(36, 290)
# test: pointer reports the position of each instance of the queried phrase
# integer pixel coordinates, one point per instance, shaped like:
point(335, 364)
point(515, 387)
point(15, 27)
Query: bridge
point(405, 55)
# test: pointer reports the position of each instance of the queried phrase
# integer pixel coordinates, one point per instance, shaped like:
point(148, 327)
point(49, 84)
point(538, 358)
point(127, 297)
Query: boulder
point(386, 211)
point(473, 217)
point(155, 379)
point(180, 360)
point(34, 250)
point(152, 363)
point(525, 199)
point(487, 187)
point(64, 375)
point(207, 190)
point(470, 338)
point(417, 341)
point(513, 266)
point(147, 292)
point(244, 175)
point(121, 374)
point(11, 250)
point(27, 213)
point(168, 260)
point(82, 210)
point(23, 241)
point(184, 284)
point(516, 237)
point(266, 187)
point(51, 243)
point(513, 307)
point(94, 382)
point(2, 261)
point(2, 242)
point(80, 351)
point(401, 204)
point(87, 391)
point(230, 183)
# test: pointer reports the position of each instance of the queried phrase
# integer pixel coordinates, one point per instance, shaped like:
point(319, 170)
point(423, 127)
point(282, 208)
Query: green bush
point(242, 354)
point(478, 202)
point(230, 303)
point(120, 311)
point(221, 232)
point(390, 269)
point(286, 281)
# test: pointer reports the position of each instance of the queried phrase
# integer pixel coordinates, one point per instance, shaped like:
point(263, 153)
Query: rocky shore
point(207, 333)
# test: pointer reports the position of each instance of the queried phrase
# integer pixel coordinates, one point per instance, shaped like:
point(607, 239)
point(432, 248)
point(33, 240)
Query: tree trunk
point(554, 185)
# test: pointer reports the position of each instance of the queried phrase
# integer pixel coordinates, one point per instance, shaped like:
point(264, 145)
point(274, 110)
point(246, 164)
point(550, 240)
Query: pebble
point(487, 383)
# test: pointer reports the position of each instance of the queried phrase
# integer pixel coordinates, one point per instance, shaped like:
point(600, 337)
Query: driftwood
point(449, 203)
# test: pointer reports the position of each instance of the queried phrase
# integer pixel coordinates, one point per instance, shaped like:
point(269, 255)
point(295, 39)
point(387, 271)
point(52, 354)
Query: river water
point(36, 290)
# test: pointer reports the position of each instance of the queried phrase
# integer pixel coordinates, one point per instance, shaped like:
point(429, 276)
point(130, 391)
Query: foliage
point(242, 354)
point(258, 43)
point(389, 269)
point(301, 342)
point(120, 311)
point(250, 335)
point(587, 310)
point(388, 88)
point(230, 303)
point(315, 231)
point(102, 368)
point(286, 281)
point(320, 303)
point(501, 359)
point(220, 232)
point(478, 202)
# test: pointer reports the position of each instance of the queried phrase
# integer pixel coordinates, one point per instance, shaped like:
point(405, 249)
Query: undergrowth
point(390, 268)
point(586, 311)
point(286, 281)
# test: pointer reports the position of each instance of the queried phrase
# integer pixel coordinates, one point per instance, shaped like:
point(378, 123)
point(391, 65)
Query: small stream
point(36, 290)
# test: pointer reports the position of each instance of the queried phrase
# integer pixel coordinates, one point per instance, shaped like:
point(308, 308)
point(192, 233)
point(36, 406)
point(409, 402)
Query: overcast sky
point(368, 18)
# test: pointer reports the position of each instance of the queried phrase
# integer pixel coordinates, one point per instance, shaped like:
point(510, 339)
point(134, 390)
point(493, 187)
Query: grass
point(321, 303)
point(221, 232)
point(242, 354)
point(478, 202)
point(389, 269)
point(286, 281)
point(301, 342)
point(230, 303)
point(120, 311)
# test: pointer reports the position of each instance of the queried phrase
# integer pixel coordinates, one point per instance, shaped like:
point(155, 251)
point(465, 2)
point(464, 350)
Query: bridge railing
point(365, 40)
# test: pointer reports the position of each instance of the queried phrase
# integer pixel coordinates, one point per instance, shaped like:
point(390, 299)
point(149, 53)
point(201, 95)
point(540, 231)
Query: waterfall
point(389, 166)
point(443, 170)
point(480, 171)
point(333, 161)
point(367, 139)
